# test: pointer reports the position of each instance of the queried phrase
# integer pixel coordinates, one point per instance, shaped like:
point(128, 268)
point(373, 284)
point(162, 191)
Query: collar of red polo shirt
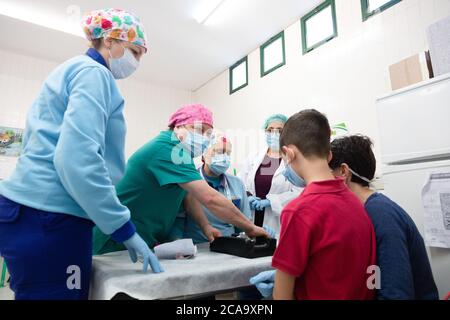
point(326, 186)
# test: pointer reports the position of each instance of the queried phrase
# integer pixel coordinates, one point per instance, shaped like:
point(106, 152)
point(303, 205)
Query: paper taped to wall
point(436, 203)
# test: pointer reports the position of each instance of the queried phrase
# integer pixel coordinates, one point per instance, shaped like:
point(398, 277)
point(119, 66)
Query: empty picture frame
point(319, 26)
point(370, 8)
point(273, 54)
point(239, 75)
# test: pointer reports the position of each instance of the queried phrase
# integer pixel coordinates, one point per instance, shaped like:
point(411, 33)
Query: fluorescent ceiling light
point(68, 22)
point(207, 10)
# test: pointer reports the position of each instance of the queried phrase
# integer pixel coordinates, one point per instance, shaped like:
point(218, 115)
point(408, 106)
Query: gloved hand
point(261, 204)
point(252, 200)
point(264, 282)
point(270, 231)
point(137, 246)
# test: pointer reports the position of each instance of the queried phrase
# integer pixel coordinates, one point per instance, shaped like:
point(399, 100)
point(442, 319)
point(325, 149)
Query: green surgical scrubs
point(150, 189)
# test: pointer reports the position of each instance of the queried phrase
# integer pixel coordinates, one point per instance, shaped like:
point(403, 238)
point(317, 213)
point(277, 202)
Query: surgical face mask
point(196, 143)
point(124, 66)
point(220, 163)
point(293, 177)
point(361, 177)
point(273, 141)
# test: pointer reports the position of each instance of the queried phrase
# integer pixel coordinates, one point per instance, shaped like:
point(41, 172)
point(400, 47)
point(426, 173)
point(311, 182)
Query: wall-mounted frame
point(319, 26)
point(370, 8)
point(239, 75)
point(273, 54)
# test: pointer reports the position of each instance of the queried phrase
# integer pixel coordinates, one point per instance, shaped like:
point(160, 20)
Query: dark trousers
point(48, 255)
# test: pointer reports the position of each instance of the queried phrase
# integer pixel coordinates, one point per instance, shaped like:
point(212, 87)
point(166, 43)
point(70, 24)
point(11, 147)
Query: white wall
point(341, 78)
point(147, 110)
point(147, 107)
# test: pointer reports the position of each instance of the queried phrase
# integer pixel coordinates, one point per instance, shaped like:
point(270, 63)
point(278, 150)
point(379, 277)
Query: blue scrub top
point(231, 187)
point(73, 147)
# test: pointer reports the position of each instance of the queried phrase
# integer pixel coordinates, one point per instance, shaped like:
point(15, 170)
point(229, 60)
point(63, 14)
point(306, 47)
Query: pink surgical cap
point(191, 114)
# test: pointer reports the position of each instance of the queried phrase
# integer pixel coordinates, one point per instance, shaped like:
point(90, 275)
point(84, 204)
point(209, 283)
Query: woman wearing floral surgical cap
point(161, 177)
point(73, 155)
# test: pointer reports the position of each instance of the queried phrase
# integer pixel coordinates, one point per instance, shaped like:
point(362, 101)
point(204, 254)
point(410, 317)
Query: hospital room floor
point(6, 294)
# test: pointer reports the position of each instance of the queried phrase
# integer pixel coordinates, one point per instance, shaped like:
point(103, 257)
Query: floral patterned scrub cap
point(114, 23)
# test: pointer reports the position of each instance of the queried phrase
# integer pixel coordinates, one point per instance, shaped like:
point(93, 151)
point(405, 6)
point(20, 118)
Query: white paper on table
point(436, 203)
point(180, 249)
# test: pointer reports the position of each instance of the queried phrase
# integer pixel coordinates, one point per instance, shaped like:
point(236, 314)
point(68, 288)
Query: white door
point(404, 184)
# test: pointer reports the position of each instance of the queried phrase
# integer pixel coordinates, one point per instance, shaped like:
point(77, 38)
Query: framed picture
point(10, 142)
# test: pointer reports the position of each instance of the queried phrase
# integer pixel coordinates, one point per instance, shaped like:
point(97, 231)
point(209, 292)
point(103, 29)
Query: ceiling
point(183, 53)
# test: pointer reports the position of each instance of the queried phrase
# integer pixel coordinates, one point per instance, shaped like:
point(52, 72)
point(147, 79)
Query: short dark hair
point(309, 131)
point(356, 152)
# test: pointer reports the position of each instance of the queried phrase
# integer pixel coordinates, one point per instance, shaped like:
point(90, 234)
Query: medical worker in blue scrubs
point(73, 155)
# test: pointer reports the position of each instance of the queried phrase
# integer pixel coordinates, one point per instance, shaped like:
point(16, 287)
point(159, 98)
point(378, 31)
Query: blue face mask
point(293, 177)
point(196, 143)
point(220, 163)
point(273, 141)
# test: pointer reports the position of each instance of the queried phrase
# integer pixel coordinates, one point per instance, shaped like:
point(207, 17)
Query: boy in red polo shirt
point(327, 241)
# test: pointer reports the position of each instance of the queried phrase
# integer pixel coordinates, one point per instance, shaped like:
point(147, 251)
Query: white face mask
point(124, 66)
point(370, 182)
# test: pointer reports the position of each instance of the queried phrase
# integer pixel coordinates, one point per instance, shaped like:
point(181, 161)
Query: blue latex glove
point(137, 246)
point(252, 200)
point(261, 204)
point(270, 231)
point(264, 282)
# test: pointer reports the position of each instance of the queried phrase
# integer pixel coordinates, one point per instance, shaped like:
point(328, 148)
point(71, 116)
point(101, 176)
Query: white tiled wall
point(341, 78)
point(147, 107)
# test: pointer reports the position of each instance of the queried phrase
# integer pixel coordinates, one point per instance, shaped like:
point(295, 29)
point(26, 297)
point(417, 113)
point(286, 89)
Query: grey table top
point(208, 272)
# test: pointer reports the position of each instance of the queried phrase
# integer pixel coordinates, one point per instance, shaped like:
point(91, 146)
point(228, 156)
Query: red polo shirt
point(327, 242)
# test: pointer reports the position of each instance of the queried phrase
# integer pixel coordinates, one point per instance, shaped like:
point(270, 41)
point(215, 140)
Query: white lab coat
point(281, 192)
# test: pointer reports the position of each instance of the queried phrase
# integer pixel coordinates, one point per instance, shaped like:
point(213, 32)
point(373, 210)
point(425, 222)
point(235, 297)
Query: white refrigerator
point(414, 127)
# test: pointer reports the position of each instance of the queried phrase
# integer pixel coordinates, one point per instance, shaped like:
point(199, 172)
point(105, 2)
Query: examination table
point(207, 274)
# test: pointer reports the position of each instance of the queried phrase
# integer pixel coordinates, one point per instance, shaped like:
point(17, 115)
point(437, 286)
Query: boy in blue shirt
point(405, 269)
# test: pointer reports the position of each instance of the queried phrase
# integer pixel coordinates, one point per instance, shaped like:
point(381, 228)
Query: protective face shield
point(124, 66)
point(196, 143)
point(220, 163)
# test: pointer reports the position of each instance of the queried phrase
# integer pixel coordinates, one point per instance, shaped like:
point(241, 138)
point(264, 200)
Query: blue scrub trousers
point(48, 255)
